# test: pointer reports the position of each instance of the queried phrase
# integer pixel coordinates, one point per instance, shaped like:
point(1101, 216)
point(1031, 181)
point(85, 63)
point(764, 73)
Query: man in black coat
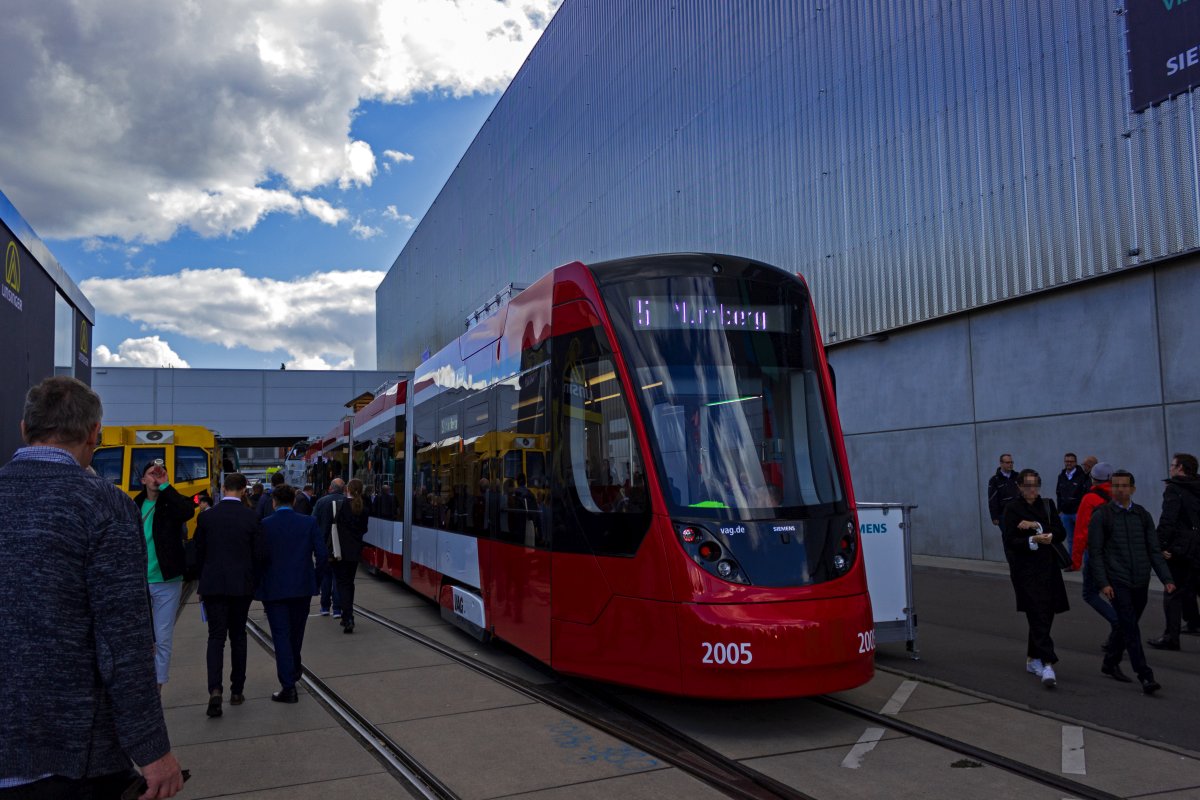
point(1122, 552)
point(304, 500)
point(1179, 537)
point(229, 544)
point(1073, 483)
point(1002, 488)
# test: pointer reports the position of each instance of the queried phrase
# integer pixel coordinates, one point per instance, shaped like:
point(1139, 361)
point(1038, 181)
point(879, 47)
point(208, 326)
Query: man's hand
point(163, 778)
point(157, 475)
point(1108, 593)
point(1170, 587)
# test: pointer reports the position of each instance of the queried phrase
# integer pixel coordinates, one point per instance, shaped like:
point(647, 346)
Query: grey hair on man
point(60, 410)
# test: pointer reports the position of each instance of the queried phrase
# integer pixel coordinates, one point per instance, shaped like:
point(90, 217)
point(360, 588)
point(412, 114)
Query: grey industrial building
point(251, 407)
point(996, 205)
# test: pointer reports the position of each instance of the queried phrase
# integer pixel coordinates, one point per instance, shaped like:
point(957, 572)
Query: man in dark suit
point(288, 584)
point(263, 507)
point(304, 500)
point(229, 544)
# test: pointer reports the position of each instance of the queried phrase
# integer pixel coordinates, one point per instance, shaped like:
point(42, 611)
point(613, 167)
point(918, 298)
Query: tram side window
point(425, 439)
point(519, 489)
point(109, 463)
point(600, 464)
point(191, 464)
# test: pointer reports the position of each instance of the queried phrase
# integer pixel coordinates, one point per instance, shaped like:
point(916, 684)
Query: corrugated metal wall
point(911, 159)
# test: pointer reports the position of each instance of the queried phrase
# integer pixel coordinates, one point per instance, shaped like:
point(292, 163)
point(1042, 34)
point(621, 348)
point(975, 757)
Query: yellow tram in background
point(196, 458)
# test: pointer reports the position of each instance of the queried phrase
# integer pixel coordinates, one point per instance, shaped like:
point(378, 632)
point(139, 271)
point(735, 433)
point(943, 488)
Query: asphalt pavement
point(970, 635)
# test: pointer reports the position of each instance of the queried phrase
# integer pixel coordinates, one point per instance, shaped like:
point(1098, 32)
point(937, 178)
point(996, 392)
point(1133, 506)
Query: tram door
point(519, 565)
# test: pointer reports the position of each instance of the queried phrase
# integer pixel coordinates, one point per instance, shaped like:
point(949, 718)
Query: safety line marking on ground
point(866, 743)
point(1072, 751)
point(899, 698)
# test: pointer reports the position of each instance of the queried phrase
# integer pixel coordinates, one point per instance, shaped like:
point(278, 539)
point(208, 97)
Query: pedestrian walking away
point(1122, 550)
point(78, 693)
point(1179, 538)
point(331, 601)
point(1002, 488)
point(229, 547)
point(1031, 528)
point(1073, 482)
point(293, 549)
point(352, 521)
point(1098, 495)
point(164, 513)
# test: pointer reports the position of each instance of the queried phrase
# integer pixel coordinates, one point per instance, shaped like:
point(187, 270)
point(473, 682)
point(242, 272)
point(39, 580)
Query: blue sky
point(235, 204)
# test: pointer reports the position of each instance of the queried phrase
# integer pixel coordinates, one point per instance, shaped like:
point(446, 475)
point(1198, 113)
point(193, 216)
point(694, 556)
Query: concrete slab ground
point(487, 741)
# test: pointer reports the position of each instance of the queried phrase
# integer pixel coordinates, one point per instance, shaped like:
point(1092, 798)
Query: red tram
point(633, 471)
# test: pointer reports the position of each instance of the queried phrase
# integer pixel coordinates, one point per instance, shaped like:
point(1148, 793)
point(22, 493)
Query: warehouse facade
point(997, 207)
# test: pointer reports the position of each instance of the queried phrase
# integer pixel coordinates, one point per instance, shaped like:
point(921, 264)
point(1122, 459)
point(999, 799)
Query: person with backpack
point(1179, 537)
point(1098, 495)
point(1122, 550)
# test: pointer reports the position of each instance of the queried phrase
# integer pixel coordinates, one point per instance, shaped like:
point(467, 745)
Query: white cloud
point(397, 156)
point(132, 120)
point(322, 321)
point(149, 351)
point(323, 211)
point(407, 219)
point(365, 231)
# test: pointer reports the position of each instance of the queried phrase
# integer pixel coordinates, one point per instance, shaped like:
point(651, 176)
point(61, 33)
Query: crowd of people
point(1094, 526)
point(92, 588)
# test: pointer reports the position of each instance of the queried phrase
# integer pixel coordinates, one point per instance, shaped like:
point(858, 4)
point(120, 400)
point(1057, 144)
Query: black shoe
point(1149, 685)
point(348, 628)
point(1115, 673)
point(214, 706)
point(237, 699)
point(1163, 643)
point(286, 696)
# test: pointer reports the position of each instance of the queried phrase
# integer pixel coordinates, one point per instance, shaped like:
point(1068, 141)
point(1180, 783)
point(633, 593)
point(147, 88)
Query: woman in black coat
point(352, 519)
point(1031, 526)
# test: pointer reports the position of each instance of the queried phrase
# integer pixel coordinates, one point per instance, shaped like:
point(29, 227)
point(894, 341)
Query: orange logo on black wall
point(12, 267)
point(11, 290)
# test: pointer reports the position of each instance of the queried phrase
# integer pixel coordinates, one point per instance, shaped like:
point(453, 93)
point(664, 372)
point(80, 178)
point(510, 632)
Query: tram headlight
point(689, 535)
point(725, 569)
point(840, 563)
point(710, 551)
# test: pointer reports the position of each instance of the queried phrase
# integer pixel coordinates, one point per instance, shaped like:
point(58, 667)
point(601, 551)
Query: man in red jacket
point(1098, 495)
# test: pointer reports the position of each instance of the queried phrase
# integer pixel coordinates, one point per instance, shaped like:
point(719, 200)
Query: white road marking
point(1072, 751)
point(899, 698)
point(866, 743)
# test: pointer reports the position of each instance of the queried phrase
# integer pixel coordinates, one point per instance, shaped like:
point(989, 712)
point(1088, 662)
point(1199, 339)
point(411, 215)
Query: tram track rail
point(619, 718)
point(419, 780)
point(674, 747)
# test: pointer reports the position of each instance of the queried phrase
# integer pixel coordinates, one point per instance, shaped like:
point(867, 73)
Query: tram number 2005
point(721, 653)
point(866, 641)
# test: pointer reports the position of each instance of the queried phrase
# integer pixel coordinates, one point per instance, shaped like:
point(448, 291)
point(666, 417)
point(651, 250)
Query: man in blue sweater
point(79, 691)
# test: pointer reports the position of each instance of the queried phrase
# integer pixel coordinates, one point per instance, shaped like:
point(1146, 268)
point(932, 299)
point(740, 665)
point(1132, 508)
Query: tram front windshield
point(726, 371)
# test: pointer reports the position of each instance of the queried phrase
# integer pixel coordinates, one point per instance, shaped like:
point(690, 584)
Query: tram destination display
point(700, 313)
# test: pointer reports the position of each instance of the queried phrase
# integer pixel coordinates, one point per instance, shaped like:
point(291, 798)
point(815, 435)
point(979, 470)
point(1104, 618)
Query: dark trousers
point(1180, 605)
point(343, 573)
point(1129, 603)
point(104, 787)
point(1040, 645)
point(287, 619)
point(330, 597)
point(226, 619)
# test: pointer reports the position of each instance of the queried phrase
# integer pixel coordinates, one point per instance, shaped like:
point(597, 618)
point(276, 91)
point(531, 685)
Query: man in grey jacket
point(79, 689)
point(1122, 550)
